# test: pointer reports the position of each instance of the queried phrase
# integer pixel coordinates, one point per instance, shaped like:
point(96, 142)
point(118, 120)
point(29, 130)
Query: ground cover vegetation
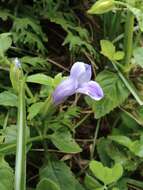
point(84, 142)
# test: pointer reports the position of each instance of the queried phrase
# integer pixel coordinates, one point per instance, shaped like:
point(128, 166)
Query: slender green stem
point(120, 3)
point(20, 169)
point(128, 84)
point(135, 183)
point(10, 147)
point(128, 40)
point(82, 120)
point(94, 140)
point(47, 106)
point(6, 121)
point(18, 5)
point(121, 36)
point(29, 91)
point(138, 37)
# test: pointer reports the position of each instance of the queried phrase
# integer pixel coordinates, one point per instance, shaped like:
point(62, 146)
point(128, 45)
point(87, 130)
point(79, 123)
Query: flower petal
point(17, 63)
point(81, 72)
point(66, 88)
point(91, 89)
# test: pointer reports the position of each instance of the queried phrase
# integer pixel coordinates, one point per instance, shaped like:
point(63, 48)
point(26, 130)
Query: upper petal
point(81, 72)
point(92, 89)
point(66, 88)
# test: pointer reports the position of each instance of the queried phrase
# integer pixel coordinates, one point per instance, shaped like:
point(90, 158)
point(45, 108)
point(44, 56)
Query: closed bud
point(15, 74)
point(102, 6)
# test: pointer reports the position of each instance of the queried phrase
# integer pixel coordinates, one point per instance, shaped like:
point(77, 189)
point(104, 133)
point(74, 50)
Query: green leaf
point(34, 109)
point(10, 134)
point(63, 140)
point(101, 6)
point(47, 184)
point(100, 188)
point(138, 56)
point(123, 140)
point(6, 176)
point(105, 174)
point(30, 63)
point(40, 79)
point(136, 147)
point(4, 14)
point(119, 55)
point(122, 184)
point(107, 49)
point(27, 31)
point(8, 99)
point(138, 13)
point(115, 93)
point(5, 42)
point(135, 113)
point(91, 183)
point(76, 42)
point(103, 145)
point(61, 174)
point(109, 152)
point(115, 188)
point(34, 61)
point(58, 79)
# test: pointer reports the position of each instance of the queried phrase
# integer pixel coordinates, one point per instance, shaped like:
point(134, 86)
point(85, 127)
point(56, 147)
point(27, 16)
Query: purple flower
point(78, 82)
point(17, 63)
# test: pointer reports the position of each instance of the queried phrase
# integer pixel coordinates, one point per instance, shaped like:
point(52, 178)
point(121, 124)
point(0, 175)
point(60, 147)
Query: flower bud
point(15, 74)
point(101, 6)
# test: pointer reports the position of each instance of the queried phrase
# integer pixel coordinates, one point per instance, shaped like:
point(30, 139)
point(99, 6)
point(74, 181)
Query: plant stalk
point(95, 139)
point(128, 40)
point(20, 168)
point(128, 84)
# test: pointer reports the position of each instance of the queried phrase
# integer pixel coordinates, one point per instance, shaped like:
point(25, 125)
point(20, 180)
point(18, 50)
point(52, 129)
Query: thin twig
point(82, 120)
point(57, 64)
point(94, 140)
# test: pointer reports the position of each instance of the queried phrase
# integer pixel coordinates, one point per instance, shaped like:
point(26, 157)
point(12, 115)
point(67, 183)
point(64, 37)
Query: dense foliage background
point(80, 144)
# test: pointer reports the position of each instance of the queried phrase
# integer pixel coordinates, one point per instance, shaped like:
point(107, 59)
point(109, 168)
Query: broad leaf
point(105, 174)
point(6, 176)
point(34, 109)
point(138, 56)
point(123, 140)
point(60, 173)
point(108, 152)
point(34, 61)
point(8, 99)
point(63, 140)
point(107, 49)
point(5, 42)
point(10, 134)
point(115, 188)
point(138, 13)
point(40, 79)
point(136, 147)
point(114, 90)
point(119, 55)
point(91, 183)
point(47, 184)
point(103, 145)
